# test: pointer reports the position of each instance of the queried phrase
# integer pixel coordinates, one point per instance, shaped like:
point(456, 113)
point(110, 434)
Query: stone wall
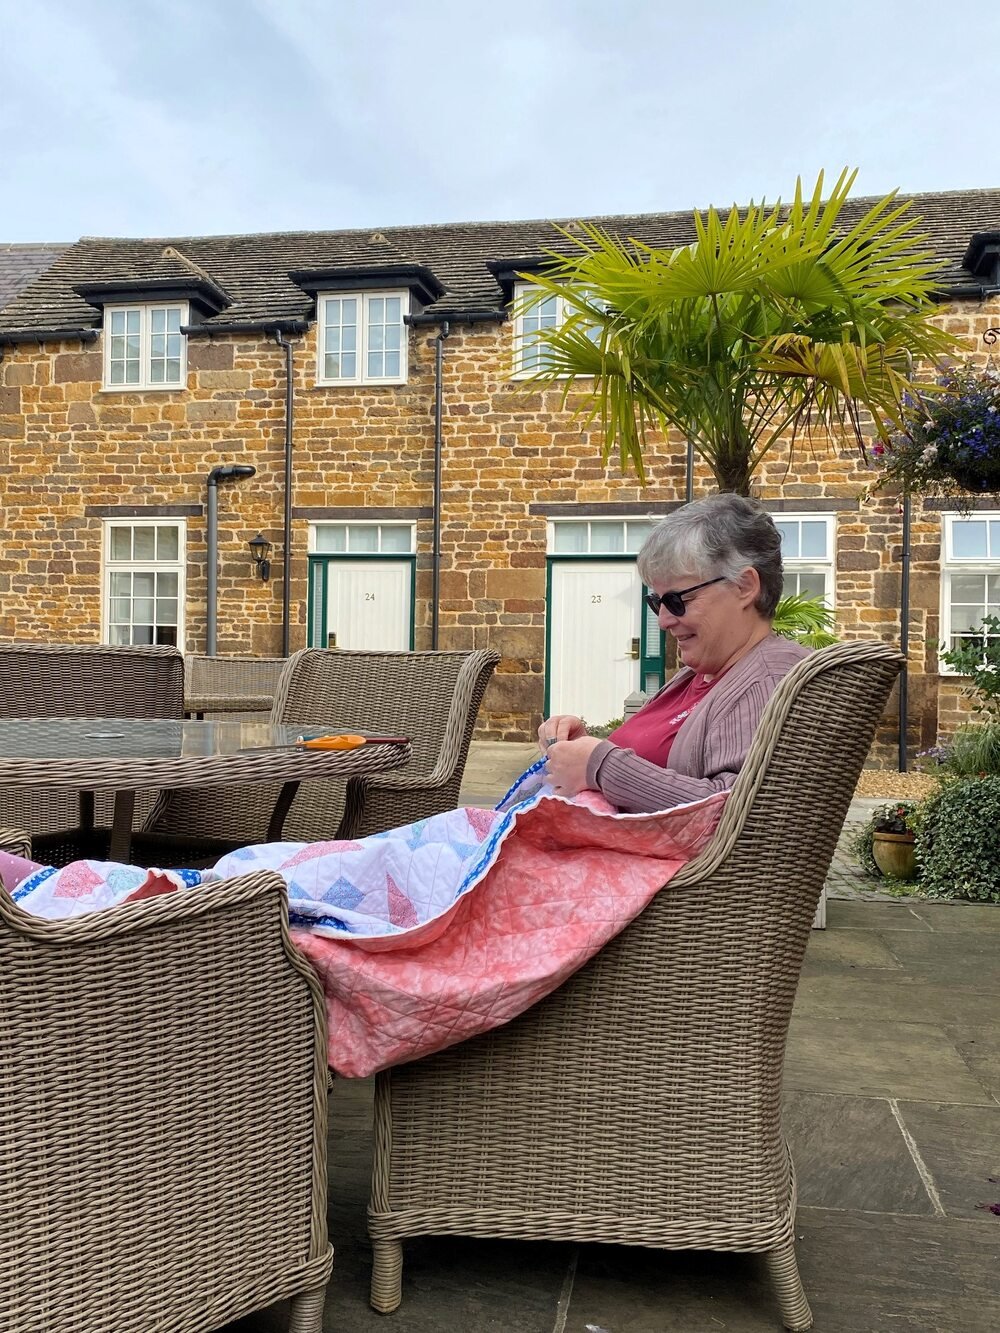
point(72, 453)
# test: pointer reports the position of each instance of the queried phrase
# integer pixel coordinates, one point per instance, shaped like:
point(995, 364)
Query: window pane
point(332, 537)
point(812, 585)
point(156, 372)
point(142, 608)
point(158, 320)
point(143, 584)
point(789, 539)
point(142, 635)
point(607, 536)
point(167, 545)
point(570, 538)
point(167, 585)
point(397, 539)
point(813, 536)
point(375, 365)
point(121, 608)
point(166, 636)
point(132, 372)
point(393, 310)
point(174, 319)
point(120, 635)
point(968, 538)
point(145, 543)
point(121, 546)
point(995, 538)
point(636, 534)
point(967, 588)
point(391, 368)
point(966, 618)
point(349, 366)
point(166, 610)
point(362, 537)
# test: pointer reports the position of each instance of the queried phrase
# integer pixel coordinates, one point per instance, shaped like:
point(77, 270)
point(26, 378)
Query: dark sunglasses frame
point(674, 601)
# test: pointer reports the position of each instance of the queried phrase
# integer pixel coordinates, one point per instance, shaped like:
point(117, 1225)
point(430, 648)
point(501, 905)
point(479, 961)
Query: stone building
point(413, 489)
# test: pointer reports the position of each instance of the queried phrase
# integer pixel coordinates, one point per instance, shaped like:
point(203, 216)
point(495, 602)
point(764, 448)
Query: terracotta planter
point(895, 854)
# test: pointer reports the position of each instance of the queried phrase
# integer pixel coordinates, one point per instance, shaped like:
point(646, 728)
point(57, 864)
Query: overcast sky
point(181, 117)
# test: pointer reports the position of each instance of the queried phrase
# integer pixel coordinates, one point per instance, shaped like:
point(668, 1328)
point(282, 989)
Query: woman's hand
point(561, 727)
point(566, 764)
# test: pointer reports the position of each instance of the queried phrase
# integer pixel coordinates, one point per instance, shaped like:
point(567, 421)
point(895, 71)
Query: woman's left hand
point(566, 764)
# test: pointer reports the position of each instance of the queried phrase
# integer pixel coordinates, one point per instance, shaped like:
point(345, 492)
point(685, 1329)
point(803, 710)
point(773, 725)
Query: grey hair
point(719, 535)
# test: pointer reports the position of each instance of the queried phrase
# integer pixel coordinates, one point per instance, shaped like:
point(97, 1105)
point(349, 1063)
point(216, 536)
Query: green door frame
point(317, 603)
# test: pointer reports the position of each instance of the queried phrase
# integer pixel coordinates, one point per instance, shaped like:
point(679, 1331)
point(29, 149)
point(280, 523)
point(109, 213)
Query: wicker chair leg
point(307, 1311)
point(387, 1275)
point(784, 1273)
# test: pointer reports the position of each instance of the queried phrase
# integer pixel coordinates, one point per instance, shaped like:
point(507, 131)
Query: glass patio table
point(124, 755)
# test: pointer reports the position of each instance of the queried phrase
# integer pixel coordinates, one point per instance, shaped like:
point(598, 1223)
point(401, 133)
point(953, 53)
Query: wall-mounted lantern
point(260, 549)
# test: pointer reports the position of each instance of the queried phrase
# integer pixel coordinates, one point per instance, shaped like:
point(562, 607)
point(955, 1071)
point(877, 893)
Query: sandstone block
point(211, 411)
point(523, 584)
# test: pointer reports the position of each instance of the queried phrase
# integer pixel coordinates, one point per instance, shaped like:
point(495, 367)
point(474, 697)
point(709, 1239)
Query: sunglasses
point(674, 601)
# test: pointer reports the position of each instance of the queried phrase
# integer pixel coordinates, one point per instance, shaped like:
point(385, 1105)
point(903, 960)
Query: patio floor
point(892, 1092)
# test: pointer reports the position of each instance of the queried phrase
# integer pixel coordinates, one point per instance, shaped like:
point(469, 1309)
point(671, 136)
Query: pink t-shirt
point(650, 733)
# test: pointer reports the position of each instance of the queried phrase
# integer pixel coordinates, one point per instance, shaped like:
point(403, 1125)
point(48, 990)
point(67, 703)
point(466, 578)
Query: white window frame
point(952, 564)
point(142, 566)
point(827, 567)
point(633, 534)
point(364, 299)
point(145, 313)
point(522, 345)
point(378, 523)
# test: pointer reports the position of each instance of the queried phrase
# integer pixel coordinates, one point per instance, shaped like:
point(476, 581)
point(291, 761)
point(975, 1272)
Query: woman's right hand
point(561, 727)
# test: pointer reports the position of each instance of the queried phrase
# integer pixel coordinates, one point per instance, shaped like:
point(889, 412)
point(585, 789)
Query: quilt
point(426, 935)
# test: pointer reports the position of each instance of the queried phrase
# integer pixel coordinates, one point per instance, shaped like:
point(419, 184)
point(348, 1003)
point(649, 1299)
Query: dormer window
point(144, 347)
point(362, 337)
point(535, 310)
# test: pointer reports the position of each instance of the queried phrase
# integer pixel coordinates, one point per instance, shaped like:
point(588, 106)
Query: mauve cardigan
point(710, 748)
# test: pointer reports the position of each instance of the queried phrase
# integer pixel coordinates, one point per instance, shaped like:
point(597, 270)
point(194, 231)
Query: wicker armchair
point(640, 1103)
point(164, 1135)
point(432, 697)
point(81, 680)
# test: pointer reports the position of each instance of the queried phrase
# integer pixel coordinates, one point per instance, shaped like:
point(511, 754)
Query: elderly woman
point(715, 570)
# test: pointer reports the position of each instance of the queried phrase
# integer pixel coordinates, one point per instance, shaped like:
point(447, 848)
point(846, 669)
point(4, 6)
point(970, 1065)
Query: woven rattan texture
point(640, 1103)
point(82, 680)
point(225, 685)
point(431, 697)
point(163, 1141)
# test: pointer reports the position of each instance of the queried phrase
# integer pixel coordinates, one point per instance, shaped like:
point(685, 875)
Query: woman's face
point(719, 621)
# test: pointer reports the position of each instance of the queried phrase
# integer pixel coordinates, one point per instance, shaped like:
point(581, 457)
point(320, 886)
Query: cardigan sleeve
point(638, 786)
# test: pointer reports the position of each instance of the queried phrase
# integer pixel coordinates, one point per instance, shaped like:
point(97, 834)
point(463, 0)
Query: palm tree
point(774, 321)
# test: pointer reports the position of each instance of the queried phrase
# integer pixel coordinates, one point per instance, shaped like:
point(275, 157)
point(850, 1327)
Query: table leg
point(121, 827)
point(281, 807)
point(87, 809)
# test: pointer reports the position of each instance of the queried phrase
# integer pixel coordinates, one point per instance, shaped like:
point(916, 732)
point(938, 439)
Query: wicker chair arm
point(15, 841)
point(164, 911)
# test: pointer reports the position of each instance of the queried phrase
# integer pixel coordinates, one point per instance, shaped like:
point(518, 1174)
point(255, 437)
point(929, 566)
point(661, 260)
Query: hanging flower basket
point(950, 444)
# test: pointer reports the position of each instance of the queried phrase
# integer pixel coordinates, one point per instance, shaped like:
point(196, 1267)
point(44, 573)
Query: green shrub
point(958, 841)
point(974, 751)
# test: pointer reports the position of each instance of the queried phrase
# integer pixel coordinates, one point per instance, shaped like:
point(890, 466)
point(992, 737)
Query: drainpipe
point(286, 573)
point(438, 449)
point(444, 319)
point(227, 472)
point(904, 631)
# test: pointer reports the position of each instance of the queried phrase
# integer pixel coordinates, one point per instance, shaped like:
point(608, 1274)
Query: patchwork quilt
point(429, 934)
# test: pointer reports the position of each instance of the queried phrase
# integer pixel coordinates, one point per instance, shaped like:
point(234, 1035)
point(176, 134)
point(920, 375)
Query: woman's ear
point(748, 586)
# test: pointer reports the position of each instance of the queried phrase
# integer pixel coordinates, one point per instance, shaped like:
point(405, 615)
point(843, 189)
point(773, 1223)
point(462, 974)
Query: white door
point(368, 604)
point(594, 622)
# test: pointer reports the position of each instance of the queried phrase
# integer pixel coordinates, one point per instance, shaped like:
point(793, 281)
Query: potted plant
point(893, 829)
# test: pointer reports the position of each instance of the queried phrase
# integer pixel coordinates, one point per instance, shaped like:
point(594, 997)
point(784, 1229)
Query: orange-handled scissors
point(343, 741)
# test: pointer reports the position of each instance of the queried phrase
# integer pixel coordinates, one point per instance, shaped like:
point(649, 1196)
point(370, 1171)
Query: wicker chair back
point(432, 697)
point(82, 680)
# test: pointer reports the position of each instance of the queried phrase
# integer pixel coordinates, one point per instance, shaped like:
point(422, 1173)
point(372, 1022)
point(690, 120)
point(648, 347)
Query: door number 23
point(595, 597)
